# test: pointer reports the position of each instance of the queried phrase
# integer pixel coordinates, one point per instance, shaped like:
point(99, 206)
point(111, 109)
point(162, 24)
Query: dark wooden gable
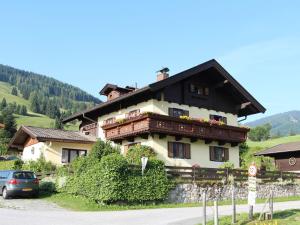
point(220, 97)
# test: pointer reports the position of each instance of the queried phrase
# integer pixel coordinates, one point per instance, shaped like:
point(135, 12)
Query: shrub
point(11, 165)
point(227, 165)
point(153, 186)
point(136, 152)
point(40, 165)
point(47, 187)
point(102, 148)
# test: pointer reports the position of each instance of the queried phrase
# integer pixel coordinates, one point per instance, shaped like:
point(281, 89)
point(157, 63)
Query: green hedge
point(11, 165)
point(111, 179)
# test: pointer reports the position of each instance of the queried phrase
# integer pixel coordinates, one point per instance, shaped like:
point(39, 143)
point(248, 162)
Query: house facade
point(187, 119)
point(58, 146)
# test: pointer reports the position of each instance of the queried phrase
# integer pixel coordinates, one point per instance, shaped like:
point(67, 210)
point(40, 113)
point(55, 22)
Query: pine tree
point(9, 122)
point(58, 124)
point(23, 110)
point(3, 104)
point(14, 91)
point(34, 102)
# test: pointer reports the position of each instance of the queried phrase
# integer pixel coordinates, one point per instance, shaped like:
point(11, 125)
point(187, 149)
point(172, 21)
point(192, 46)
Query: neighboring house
point(286, 156)
point(189, 118)
point(2, 126)
point(57, 146)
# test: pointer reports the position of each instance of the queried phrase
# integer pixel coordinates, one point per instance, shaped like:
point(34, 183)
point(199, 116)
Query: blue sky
point(90, 43)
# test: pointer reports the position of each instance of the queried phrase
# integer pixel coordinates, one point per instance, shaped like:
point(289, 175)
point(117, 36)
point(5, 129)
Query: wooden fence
point(211, 174)
point(207, 174)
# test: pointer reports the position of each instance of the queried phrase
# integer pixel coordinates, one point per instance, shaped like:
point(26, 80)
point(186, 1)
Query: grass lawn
point(273, 142)
point(78, 203)
point(287, 217)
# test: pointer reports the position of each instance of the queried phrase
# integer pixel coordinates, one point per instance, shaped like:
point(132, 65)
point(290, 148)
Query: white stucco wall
point(199, 152)
point(33, 152)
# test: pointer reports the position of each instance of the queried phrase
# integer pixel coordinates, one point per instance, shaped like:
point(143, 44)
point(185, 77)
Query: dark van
point(18, 183)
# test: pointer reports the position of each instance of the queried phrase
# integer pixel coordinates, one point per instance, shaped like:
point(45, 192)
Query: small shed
point(286, 156)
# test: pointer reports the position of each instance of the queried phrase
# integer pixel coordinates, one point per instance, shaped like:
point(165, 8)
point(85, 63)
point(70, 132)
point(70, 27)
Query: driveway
point(37, 212)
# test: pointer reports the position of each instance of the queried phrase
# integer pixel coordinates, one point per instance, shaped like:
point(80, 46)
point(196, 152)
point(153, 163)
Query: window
point(68, 155)
point(218, 118)
point(110, 120)
point(178, 112)
point(179, 150)
point(24, 175)
point(132, 114)
point(199, 90)
point(218, 154)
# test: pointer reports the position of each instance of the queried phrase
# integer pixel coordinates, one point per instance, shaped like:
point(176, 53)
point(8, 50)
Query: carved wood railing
point(165, 125)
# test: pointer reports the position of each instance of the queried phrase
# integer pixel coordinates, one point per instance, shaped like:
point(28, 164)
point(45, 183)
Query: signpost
point(252, 171)
point(144, 164)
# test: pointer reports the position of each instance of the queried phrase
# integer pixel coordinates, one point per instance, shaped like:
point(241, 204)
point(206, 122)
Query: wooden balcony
point(148, 124)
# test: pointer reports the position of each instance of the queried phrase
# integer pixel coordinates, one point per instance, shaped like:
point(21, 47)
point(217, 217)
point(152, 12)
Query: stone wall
point(192, 192)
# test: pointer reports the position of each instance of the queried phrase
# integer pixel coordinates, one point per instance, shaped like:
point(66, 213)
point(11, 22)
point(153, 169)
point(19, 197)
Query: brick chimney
point(162, 74)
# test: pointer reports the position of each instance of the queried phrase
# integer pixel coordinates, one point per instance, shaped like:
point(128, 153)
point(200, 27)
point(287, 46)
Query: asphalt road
point(38, 212)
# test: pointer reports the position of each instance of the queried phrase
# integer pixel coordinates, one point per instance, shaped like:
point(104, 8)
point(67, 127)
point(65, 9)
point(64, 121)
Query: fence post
point(233, 221)
point(204, 207)
point(271, 204)
point(216, 214)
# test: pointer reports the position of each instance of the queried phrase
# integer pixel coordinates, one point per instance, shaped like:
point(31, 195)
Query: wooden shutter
point(211, 153)
point(170, 150)
point(226, 154)
point(171, 112)
point(187, 151)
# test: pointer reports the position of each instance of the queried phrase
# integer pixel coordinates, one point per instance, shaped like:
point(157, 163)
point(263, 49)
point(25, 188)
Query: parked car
point(12, 157)
point(18, 183)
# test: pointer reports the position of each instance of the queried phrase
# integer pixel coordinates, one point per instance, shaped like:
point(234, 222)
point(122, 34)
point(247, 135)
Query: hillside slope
point(32, 119)
point(283, 124)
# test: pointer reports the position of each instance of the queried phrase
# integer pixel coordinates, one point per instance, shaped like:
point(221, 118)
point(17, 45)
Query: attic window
point(199, 90)
point(132, 114)
point(110, 120)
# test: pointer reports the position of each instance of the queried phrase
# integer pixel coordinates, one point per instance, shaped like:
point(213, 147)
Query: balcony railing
point(150, 123)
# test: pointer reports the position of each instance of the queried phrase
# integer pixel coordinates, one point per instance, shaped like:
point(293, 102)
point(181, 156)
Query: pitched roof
point(281, 148)
point(48, 134)
point(257, 107)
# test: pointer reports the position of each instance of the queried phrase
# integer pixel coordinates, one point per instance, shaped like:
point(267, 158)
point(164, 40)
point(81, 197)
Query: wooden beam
point(178, 138)
point(130, 139)
point(243, 105)
point(221, 143)
point(162, 136)
point(207, 141)
point(221, 84)
point(144, 136)
point(193, 139)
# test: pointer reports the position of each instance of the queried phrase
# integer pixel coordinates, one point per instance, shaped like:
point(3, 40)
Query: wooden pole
point(233, 221)
point(216, 214)
point(204, 208)
point(271, 204)
point(250, 212)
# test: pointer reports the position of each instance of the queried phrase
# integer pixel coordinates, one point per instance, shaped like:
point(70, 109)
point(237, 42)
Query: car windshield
point(24, 175)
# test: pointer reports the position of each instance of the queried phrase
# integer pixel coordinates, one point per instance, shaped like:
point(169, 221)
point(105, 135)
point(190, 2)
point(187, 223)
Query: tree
point(14, 91)
point(260, 133)
point(3, 104)
point(23, 110)
point(58, 124)
point(9, 122)
point(34, 102)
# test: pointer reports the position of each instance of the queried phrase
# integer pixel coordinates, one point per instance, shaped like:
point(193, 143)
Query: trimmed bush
point(136, 152)
point(11, 165)
point(47, 187)
point(102, 148)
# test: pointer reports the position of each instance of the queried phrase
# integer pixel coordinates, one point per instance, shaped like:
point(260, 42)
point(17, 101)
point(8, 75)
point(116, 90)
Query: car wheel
point(5, 194)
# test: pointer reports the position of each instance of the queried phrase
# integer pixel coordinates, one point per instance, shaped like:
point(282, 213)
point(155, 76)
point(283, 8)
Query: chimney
point(162, 74)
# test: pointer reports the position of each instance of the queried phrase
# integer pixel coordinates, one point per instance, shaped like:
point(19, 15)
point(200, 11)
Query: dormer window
point(218, 118)
point(199, 90)
point(178, 112)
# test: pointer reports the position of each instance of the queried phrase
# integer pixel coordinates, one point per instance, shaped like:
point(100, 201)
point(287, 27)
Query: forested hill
point(46, 95)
